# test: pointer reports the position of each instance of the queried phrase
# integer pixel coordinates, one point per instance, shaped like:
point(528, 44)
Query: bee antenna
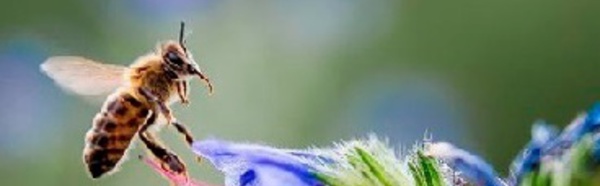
point(181, 33)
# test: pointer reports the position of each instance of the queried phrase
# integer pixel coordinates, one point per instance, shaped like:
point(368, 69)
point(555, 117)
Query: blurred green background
point(302, 73)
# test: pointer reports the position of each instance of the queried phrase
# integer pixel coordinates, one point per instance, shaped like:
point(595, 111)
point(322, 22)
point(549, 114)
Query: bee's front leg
point(182, 91)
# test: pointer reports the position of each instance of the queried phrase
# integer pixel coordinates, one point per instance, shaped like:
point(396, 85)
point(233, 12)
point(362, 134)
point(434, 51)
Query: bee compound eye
point(174, 58)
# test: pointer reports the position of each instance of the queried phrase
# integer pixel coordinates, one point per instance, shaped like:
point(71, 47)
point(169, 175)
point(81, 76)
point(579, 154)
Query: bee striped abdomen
point(112, 131)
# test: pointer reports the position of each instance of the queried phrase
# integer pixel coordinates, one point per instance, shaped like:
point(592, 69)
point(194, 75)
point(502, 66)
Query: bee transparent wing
point(84, 76)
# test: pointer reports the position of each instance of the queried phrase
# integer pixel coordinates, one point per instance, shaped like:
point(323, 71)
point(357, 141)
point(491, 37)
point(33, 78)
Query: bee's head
point(179, 62)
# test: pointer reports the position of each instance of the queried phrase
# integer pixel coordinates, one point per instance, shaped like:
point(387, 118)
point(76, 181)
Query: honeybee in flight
point(139, 94)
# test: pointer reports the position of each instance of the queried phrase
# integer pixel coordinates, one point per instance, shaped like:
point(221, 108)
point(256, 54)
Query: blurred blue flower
point(255, 165)
point(595, 151)
point(529, 158)
point(471, 167)
point(551, 158)
point(581, 126)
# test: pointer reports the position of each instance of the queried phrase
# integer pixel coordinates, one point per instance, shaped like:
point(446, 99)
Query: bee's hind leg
point(161, 107)
point(170, 119)
point(169, 159)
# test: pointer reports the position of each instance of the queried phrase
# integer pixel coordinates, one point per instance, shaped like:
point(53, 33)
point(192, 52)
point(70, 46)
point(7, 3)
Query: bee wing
point(84, 76)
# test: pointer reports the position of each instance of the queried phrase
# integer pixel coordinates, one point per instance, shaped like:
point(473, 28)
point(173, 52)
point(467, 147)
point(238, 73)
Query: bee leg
point(186, 90)
point(167, 113)
point(183, 130)
point(182, 90)
point(186, 133)
point(169, 160)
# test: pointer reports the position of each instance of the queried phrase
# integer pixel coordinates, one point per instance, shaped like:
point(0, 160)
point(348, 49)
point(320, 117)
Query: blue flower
point(595, 151)
point(581, 126)
point(255, 165)
point(545, 160)
point(529, 158)
point(471, 167)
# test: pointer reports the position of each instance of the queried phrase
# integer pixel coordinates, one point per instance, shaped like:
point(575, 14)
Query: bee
point(139, 94)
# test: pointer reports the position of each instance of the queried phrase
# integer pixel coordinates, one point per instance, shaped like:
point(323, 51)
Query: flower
point(551, 158)
point(529, 158)
point(348, 163)
point(595, 151)
point(582, 125)
point(471, 166)
point(254, 165)
point(560, 159)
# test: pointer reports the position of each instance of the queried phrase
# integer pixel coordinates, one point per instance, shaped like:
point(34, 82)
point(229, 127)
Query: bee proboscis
point(138, 95)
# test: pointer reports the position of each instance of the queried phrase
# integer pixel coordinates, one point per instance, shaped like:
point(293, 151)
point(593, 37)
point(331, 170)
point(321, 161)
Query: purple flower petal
point(469, 165)
point(254, 165)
